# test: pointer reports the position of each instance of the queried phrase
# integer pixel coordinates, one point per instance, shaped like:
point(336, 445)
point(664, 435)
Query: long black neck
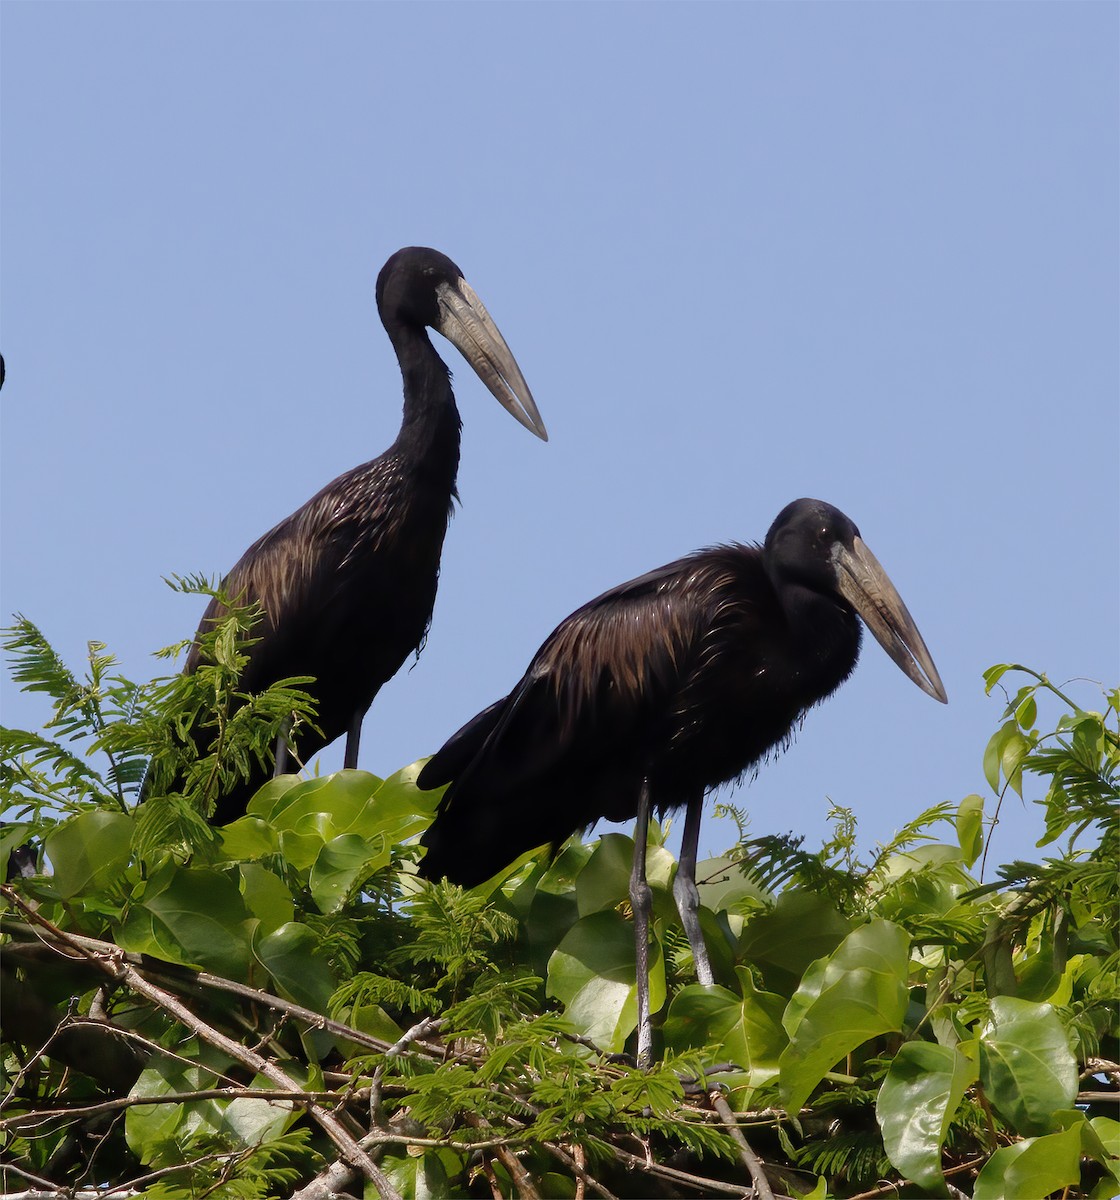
point(429, 435)
point(825, 632)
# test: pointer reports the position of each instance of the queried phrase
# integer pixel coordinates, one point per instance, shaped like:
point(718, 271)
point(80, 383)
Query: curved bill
point(464, 321)
point(864, 583)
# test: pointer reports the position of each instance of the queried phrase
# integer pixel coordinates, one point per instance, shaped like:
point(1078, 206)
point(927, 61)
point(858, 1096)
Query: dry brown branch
point(750, 1159)
point(1101, 1066)
point(577, 1164)
point(698, 1183)
point(895, 1189)
point(23, 1120)
point(340, 1174)
point(522, 1180)
point(113, 963)
point(328, 1184)
point(134, 1187)
point(186, 980)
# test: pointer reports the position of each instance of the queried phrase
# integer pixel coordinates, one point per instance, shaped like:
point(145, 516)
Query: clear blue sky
point(742, 252)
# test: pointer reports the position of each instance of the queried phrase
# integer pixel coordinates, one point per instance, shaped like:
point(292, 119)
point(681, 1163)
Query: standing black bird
point(660, 690)
point(347, 583)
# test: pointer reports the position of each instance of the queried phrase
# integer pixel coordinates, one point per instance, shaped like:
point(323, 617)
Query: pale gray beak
point(464, 321)
point(864, 584)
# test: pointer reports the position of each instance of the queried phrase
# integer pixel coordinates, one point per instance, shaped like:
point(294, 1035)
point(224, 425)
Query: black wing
point(598, 704)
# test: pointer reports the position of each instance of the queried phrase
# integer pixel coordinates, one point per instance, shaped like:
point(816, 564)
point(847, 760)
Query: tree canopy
point(280, 1007)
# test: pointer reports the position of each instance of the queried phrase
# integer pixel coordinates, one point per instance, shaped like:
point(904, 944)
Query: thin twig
point(134, 1187)
point(491, 1178)
point(328, 1183)
point(22, 1120)
point(1101, 1066)
point(750, 1159)
point(895, 1189)
point(577, 1164)
point(54, 1192)
point(186, 979)
point(419, 1030)
point(699, 1183)
point(522, 1180)
point(340, 1174)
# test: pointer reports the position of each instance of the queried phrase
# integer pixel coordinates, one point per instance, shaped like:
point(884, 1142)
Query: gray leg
point(686, 894)
point(641, 898)
point(353, 736)
point(281, 765)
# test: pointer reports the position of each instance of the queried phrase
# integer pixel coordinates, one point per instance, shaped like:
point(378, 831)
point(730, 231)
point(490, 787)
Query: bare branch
point(340, 1174)
point(895, 1189)
point(114, 964)
point(192, 982)
point(750, 1159)
point(43, 1115)
point(576, 1163)
point(522, 1180)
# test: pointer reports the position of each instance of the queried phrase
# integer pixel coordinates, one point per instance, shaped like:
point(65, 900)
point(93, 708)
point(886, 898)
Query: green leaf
point(148, 1127)
point(1027, 1069)
point(288, 954)
point(429, 1175)
point(1015, 749)
point(154, 1131)
point(923, 1088)
point(343, 862)
point(858, 992)
point(374, 1020)
point(970, 828)
point(801, 927)
point(547, 898)
point(254, 1120)
point(993, 675)
point(141, 933)
point(89, 852)
point(398, 793)
point(340, 797)
point(248, 838)
point(1027, 711)
point(593, 973)
point(992, 752)
point(723, 886)
point(269, 795)
point(266, 897)
point(1101, 1141)
point(605, 880)
point(301, 849)
point(747, 1030)
point(202, 914)
point(1035, 1167)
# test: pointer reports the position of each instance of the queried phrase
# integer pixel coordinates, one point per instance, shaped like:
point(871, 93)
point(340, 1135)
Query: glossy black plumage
point(347, 583)
point(686, 677)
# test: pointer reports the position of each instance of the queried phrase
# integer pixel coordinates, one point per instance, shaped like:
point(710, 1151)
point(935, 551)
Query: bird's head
point(816, 545)
point(420, 287)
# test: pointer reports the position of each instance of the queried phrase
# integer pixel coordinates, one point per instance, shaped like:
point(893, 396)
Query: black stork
point(347, 583)
point(656, 692)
